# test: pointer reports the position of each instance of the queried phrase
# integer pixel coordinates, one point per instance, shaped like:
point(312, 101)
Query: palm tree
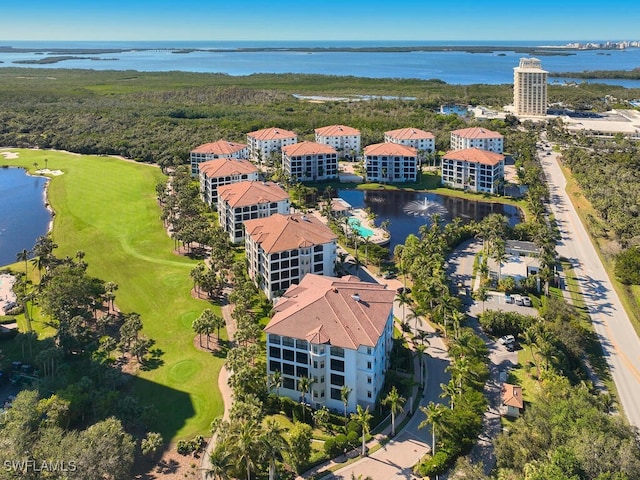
point(415, 313)
point(435, 419)
point(457, 318)
point(499, 254)
point(220, 463)
point(450, 390)
point(23, 256)
point(304, 385)
point(363, 417)
point(404, 299)
point(275, 381)
point(344, 396)
point(273, 444)
point(245, 444)
point(396, 404)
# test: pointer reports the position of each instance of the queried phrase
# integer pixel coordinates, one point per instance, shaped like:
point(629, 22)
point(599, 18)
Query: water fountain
point(425, 208)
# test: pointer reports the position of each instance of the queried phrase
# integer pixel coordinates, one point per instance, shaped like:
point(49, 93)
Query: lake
point(454, 67)
point(408, 211)
point(23, 215)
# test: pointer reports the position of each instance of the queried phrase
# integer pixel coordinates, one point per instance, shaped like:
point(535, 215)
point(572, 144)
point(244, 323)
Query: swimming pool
point(363, 231)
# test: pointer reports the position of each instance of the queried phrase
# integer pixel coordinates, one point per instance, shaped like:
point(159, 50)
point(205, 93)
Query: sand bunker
point(9, 155)
point(46, 171)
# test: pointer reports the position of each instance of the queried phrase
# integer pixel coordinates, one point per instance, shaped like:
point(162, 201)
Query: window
point(337, 352)
point(368, 365)
point(288, 355)
point(302, 372)
point(369, 380)
point(335, 394)
point(288, 383)
point(274, 366)
point(369, 394)
point(274, 352)
point(337, 379)
point(337, 365)
point(274, 339)
point(287, 369)
point(302, 344)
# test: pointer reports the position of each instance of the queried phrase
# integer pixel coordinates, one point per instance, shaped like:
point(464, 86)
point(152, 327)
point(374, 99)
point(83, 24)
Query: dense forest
point(160, 117)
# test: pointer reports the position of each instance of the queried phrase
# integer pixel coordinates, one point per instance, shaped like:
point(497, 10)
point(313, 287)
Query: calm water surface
point(390, 205)
point(452, 67)
point(23, 215)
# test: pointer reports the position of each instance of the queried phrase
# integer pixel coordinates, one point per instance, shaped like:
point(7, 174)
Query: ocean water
point(223, 57)
point(23, 216)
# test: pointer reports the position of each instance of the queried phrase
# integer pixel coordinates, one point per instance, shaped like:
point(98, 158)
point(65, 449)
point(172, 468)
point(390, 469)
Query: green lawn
point(107, 208)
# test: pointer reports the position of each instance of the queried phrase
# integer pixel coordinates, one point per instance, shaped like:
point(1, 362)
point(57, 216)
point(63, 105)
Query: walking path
point(225, 391)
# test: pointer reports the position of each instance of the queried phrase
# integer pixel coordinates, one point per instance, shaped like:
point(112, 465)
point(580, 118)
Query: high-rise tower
point(530, 88)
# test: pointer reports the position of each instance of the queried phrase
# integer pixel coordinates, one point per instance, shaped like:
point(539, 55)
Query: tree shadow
point(153, 361)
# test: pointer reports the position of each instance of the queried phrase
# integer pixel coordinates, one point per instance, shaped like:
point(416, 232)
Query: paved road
point(612, 325)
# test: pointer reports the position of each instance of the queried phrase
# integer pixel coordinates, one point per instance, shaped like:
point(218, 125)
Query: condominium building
point(473, 169)
point(337, 332)
point(424, 142)
point(390, 162)
point(310, 161)
point(477, 137)
point(223, 172)
point(242, 201)
point(212, 151)
point(268, 142)
point(530, 88)
point(346, 140)
point(282, 249)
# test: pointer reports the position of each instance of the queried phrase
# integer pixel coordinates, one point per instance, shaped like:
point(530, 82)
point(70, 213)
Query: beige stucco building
point(530, 88)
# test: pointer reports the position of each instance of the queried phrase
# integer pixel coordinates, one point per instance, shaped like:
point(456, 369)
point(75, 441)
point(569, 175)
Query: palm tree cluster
point(455, 427)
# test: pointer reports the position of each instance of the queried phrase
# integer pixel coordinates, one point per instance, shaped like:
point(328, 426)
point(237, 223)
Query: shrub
point(184, 447)
point(330, 447)
point(287, 405)
point(354, 426)
point(436, 465)
point(353, 439)
point(342, 442)
point(273, 404)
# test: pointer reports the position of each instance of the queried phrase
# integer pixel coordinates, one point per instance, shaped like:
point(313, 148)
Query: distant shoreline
point(542, 51)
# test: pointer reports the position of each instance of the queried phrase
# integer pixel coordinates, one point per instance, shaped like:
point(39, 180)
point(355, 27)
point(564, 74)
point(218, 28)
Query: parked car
point(526, 301)
point(508, 298)
point(507, 339)
point(402, 290)
point(517, 299)
point(388, 275)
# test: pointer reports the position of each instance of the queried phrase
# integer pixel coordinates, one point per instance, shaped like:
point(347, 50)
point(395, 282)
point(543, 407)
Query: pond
point(23, 215)
point(408, 211)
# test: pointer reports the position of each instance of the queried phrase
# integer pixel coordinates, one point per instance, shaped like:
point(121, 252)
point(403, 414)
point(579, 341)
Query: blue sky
point(321, 20)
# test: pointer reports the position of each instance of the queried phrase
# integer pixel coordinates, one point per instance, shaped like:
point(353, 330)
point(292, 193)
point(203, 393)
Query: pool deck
point(379, 236)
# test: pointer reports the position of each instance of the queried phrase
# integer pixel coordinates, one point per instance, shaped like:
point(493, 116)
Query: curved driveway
point(612, 325)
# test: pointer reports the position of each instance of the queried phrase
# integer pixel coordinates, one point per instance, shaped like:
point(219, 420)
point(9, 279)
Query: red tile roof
point(512, 395)
point(410, 134)
point(475, 155)
point(390, 149)
point(272, 134)
point(307, 148)
point(476, 132)
point(224, 167)
point(336, 131)
point(221, 147)
point(279, 233)
point(244, 194)
point(344, 312)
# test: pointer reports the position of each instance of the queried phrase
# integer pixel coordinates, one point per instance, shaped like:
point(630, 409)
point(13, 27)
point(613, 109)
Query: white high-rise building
point(530, 88)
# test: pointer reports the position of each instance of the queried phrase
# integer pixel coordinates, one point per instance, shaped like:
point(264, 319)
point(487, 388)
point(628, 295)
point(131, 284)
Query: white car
point(526, 301)
point(507, 340)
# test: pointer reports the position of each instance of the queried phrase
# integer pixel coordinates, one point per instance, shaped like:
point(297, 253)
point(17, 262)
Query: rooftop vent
point(356, 297)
